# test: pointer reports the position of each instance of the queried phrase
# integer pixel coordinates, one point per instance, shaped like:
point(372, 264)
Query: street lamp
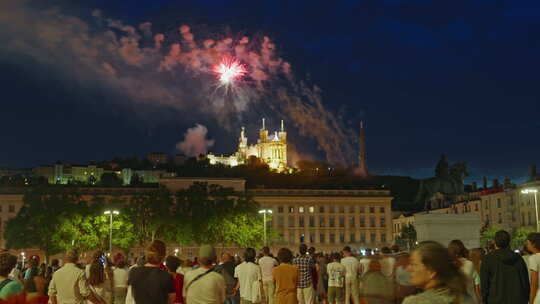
point(264, 212)
point(527, 191)
point(23, 256)
point(110, 213)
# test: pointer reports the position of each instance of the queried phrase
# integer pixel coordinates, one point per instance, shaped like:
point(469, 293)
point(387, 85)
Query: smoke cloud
point(174, 70)
point(195, 142)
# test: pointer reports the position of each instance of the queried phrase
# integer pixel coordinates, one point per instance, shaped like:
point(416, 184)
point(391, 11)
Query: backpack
point(230, 281)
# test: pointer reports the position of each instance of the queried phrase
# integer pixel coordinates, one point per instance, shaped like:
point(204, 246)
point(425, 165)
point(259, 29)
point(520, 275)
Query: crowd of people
point(431, 273)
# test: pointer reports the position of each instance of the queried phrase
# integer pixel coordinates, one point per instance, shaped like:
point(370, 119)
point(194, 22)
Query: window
point(476, 207)
point(498, 203)
point(381, 209)
point(311, 209)
point(342, 221)
point(383, 222)
point(321, 221)
point(280, 221)
point(331, 221)
point(342, 209)
point(372, 237)
point(332, 238)
point(362, 237)
point(351, 221)
point(332, 209)
point(301, 221)
point(342, 237)
point(280, 209)
point(485, 204)
point(372, 221)
point(371, 209)
point(321, 238)
point(301, 209)
point(11, 208)
point(500, 218)
point(383, 237)
point(362, 209)
point(291, 221)
point(311, 221)
point(362, 222)
point(351, 209)
point(291, 209)
point(352, 237)
point(312, 237)
point(321, 209)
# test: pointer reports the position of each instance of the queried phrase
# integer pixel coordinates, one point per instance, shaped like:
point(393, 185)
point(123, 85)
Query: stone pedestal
point(444, 228)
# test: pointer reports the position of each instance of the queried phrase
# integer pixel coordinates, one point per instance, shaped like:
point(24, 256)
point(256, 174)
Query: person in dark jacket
point(503, 274)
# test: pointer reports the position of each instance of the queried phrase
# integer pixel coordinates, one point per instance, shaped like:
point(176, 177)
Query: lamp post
point(534, 191)
point(23, 257)
point(264, 212)
point(110, 213)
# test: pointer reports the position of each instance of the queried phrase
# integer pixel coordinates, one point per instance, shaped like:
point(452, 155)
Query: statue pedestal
point(444, 228)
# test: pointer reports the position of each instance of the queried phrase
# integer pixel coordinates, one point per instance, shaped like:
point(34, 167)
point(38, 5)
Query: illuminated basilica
point(270, 149)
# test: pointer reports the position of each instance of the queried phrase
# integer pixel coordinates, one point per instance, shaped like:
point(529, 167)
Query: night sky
point(428, 77)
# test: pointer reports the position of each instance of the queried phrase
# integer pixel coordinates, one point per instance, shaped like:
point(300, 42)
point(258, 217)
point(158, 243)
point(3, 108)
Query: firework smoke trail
point(171, 70)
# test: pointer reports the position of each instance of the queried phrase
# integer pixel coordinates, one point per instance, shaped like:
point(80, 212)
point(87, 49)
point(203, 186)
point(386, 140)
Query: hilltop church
point(270, 149)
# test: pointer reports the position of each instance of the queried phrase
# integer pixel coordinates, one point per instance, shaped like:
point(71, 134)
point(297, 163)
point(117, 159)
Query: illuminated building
point(270, 149)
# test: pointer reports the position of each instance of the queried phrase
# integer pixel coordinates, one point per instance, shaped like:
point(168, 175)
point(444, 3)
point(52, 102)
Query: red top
point(178, 286)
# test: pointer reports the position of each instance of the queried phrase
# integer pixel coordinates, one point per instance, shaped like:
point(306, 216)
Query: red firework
point(229, 70)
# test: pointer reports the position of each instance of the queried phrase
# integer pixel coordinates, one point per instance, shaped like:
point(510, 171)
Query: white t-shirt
point(120, 277)
point(467, 268)
point(534, 264)
point(336, 274)
point(387, 266)
point(267, 263)
point(351, 267)
point(365, 265)
point(247, 273)
point(209, 289)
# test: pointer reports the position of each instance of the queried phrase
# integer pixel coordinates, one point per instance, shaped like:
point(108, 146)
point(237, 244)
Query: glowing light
point(229, 70)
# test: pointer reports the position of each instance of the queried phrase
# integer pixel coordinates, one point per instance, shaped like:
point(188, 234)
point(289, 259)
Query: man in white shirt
point(267, 263)
point(336, 278)
point(387, 263)
point(203, 285)
point(351, 276)
point(249, 278)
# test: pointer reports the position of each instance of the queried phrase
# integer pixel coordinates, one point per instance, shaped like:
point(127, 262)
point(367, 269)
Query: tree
point(110, 180)
point(519, 237)
point(487, 235)
point(442, 168)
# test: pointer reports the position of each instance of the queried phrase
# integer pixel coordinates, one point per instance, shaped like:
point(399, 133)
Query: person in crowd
point(395, 249)
point(377, 288)
point(351, 276)
point(8, 287)
point(403, 285)
point(286, 278)
point(314, 274)
point(322, 273)
point(387, 263)
point(476, 255)
point(226, 269)
point(69, 284)
point(364, 264)
point(99, 282)
point(15, 273)
point(172, 263)
point(185, 266)
point(149, 283)
point(249, 278)
point(203, 285)
point(459, 254)
point(55, 264)
point(267, 263)
point(96, 257)
point(503, 274)
point(526, 254)
point(120, 279)
point(34, 282)
point(432, 269)
point(533, 245)
point(305, 264)
point(336, 280)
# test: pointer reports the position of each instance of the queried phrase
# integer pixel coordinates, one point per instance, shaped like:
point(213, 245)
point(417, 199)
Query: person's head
point(346, 251)
point(533, 242)
point(302, 249)
point(96, 255)
point(266, 251)
point(141, 260)
point(172, 263)
point(476, 256)
point(97, 274)
point(207, 255)
point(311, 251)
point(226, 257)
point(55, 262)
point(431, 266)
point(186, 263)
point(336, 256)
point(285, 255)
point(72, 256)
point(386, 250)
point(249, 255)
point(7, 263)
point(502, 239)
point(155, 253)
point(457, 249)
point(121, 264)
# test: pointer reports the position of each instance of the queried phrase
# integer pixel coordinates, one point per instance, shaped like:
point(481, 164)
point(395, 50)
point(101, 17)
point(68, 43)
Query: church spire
point(263, 126)
point(362, 164)
point(282, 126)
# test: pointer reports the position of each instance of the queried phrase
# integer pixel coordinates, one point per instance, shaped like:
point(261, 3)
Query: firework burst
point(229, 70)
